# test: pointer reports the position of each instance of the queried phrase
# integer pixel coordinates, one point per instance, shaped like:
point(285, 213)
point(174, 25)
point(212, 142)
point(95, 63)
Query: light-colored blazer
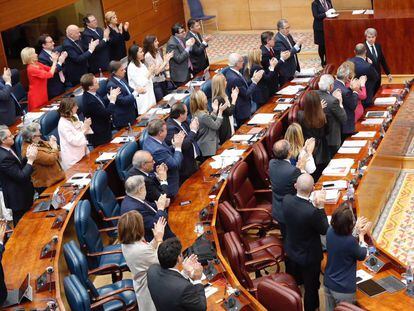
point(138, 77)
point(208, 132)
point(139, 256)
point(73, 143)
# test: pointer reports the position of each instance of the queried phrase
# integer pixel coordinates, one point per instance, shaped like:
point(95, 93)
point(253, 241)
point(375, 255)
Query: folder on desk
point(379, 101)
point(261, 118)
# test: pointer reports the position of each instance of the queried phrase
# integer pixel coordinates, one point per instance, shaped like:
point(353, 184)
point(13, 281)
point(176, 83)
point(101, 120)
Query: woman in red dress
point(38, 74)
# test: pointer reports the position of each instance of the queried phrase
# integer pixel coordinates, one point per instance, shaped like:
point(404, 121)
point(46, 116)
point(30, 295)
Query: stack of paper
point(31, 116)
point(159, 111)
point(391, 91)
point(122, 139)
point(238, 138)
point(380, 101)
point(232, 153)
point(282, 107)
point(373, 121)
point(369, 12)
point(358, 12)
point(335, 184)
point(306, 72)
point(345, 150)
point(226, 158)
point(376, 114)
point(362, 276)
point(195, 83)
point(301, 80)
point(332, 196)
point(105, 156)
point(338, 167)
point(262, 118)
point(290, 90)
point(79, 179)
point(284, 100)
point(354, 143)
point(364, 134)
point(177, 96)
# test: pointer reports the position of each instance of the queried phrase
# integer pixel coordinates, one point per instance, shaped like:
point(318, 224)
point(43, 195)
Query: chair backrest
point(314, 82)
point(18, 143)
point(187, 103)
point(346, 306)
point(273, 134)
point(123, 159)
point(49, 124)
point(274, 296)
point(206, 88)
point(81, 109)
point(102, 91)
point(143, 137)
point(87, 232)
point(235, 255)
point(293, 113)
point(230, 219)
point(19, 92)
point(196, 9)
point(76, 294)
point(103, 199)
point(328, 69)
point(261, 161)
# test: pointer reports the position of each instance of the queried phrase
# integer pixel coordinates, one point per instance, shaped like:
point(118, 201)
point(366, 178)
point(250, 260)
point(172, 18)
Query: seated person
point(155, 183)
point(135, 200)
point(171, 289)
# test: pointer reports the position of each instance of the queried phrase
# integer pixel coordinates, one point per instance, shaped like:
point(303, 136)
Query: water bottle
point(100, 74)
point(350, 192)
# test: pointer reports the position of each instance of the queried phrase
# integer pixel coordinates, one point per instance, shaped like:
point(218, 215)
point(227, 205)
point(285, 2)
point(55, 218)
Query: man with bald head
point(364, 68)
point(155, 183)
point(305, 223)
point(77, 60)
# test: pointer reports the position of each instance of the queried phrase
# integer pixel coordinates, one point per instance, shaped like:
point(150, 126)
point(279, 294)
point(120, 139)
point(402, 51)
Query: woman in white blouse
point(140, 254)
point(140, 76)
point(72, 131)
point(154, 58)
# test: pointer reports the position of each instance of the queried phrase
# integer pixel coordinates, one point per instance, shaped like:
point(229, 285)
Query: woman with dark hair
point(154, 58)
point(139, 76)
point(343, 252)
point(314, 124)
point(118, 35)
point(140, 254)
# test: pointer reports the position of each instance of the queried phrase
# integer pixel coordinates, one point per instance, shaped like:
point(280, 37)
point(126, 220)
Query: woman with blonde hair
point(299, 147)
point(218, 88)
point(254, 63)
point(209, 123)
point(118, 35)
point(38, 74)
point(362, 91)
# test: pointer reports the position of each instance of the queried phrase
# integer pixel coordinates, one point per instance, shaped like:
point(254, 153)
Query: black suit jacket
point(100, 56)
point(363, 68)
point(266, 57)
point(7, 105)
point(101, 118)
point(350, 102)
point(152, 185)
point(198, 54)
point(3, 289)
point(304, 225)
point(55, 87)
point(288, 68)
point(265, 86)
point(117, 49)
point(76, 64)
point(190, 163)
point(171, 291)
point(15, 179)
point(380, 61)
point(283, 176)
point(318, 12)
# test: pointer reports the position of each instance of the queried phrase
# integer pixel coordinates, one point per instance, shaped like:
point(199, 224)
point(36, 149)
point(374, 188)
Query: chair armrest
point(108, 229)
point(252, 226)
point(111, 218)
point(263, 247)
point(115, 292)
point(104, 269)
point(120, 198)
point(258, 191)
point(100, 303)
point(254, 210)
point(103, 253)
point(261, 260)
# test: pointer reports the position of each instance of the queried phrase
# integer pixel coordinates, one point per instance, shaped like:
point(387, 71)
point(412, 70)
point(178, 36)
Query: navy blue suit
point(76, 64)
point(154, 188)
point(7, 105)
point(363, 68)
point(125, 109)
point(3, 289)
point(288, 68)
point(243, 104)
point(55, 87)
point(99, 112)
point(100, 56)
point(149, 213)
point(350, 102)
point(162, 153)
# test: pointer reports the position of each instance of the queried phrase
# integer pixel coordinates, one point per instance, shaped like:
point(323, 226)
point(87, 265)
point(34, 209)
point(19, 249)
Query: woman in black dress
point(319, 9)
point(118, 35)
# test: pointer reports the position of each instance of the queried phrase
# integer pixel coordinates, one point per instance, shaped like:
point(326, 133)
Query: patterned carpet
point(394, 231)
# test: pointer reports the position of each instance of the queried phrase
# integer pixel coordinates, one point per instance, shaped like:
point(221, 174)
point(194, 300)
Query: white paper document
point(362, 276)
point(306, 72)
point(338, 167)
point(358, 12)
point(376, 114)
point(345, 150)
point(282, 107)
point(379, 101)
point(80, 179)
point(335, 184)
point(364, 134)
point(177, 96)
point(106, 156)
point(354, 143)
point(195, 83)
point(369, 12)
point(159, 111)
point(262, 118)
point(232, 152)
point(122, 139)
point(49, 108)
point(290, 90)
point(372, 121)
point(238, 138)
point(31, 116)
point(301, 80)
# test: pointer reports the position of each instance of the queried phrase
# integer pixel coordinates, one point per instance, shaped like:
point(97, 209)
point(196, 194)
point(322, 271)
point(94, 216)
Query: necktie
point(125, 86)
point(97, 97)
point(148, 205)
point(60, 73)
point(373, 52)
point(196, 148)
point(272, 53)
point(325, 5)
point(14, 154)
point(80, 48)
point(190, 65)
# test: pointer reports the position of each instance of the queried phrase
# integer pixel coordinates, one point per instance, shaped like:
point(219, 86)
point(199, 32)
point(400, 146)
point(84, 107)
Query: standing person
point(72, 133)
point(38, 74)
point(55, 85)
point(320, 9)
point(7, 100)
point(198, 53)
point(99, 60)
point(305, 223)
point(180, 63)
point(15, 175)
point(344, 250)
point(140, 76)
point(118, 35)
point(361, 89)
point(284, 42)
point(139, 253)
point(154, 58)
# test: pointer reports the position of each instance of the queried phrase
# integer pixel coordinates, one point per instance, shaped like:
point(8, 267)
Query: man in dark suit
point(349, 98)
point(235, 79)
point(172, 156)
point(198, 53)
point(304, 225)
point(3, 289)
point(171, 289)
point(7, 102)
point(180, 63)
point(320, 10)
point(98, 109)
point(283, 176)
point(334, 111)
point(364, 68)
point(125, 111)
point(156, 183)
point(176, 123)
point(15, 175)
point(55, 85)
point(284, 42)
point(151, 212)
point(77, 61)
point(99, 61)
point(375, 54)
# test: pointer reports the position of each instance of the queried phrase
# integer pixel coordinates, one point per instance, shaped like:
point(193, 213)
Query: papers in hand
point(338, 167)
point(364, 134)
point(262, 118)
point(290, 90)
point(122, 139)
point(354, 143)
point(282, 107)
point(177, 96)
point(380, 101)
point(372, 121)
point(345, 150)
point(105, 156)
point(239, 138)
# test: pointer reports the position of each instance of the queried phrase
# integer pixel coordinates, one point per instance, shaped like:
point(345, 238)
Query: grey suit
point(208, 137)
point(179, 65)
point(336, 116)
